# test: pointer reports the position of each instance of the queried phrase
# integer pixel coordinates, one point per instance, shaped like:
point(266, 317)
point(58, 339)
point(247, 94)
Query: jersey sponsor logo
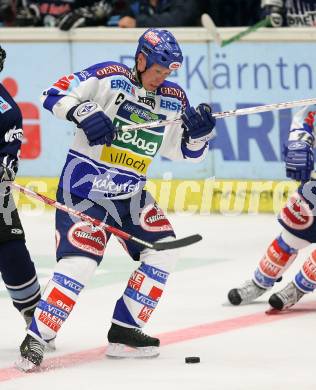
point(269, 268)
point(170, 105)
point(160, 274)
point(139, 297)
point(4, 105)
point(145, 314)
point(52, 309)
point(136, 280)
point(115, 69)
point(152, 38)
point(309, 268)
point(149, 101)
point(86, 109)
point(124, 158)
point(152, 219)
point(136, 113)
point(297, 214)
point(263, 280)
point(60, 300)
point(174, 92)
point(124, 85)
point(154, 273)
point(143, 299)
point(133, 112)
point(68, 283)
point(155, 293)
point(88, 238)
point(278, 256)
point(67, 83)
point(13, 134)
point(84, 75)
point(175, 65)
point(141, 142)
point(108, 186)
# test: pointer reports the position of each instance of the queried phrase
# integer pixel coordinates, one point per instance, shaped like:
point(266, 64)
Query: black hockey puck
point(192, 359)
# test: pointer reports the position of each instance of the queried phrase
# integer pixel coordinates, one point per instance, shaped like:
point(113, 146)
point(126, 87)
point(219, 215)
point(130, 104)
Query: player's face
point(154, 76)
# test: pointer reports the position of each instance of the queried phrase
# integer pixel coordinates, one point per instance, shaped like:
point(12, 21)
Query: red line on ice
point(176, 336)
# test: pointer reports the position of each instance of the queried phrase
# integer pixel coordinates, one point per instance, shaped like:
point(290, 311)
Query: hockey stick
point(158, 246)
point(209, 24)
point(262, 23)
point(224, 114)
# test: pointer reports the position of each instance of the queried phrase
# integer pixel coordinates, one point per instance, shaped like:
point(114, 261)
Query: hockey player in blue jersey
point(104, 176)
point(16, 267)
point(298, 221)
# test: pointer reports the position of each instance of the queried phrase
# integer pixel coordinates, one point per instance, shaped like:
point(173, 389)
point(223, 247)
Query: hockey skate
point(32, 353)
point(131, 343)
point(286, 297)
point(246, 293)
point(28, 315)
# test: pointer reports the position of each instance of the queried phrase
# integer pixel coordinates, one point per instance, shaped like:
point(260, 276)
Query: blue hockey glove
point(199, 123)
point(299, 156)
point(96, 125)
point(8, 167)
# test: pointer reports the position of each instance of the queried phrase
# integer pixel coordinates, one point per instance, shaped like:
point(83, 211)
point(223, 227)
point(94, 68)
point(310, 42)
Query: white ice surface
point(264, 356)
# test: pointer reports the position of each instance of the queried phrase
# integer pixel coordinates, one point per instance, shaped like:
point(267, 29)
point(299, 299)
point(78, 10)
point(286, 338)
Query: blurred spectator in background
point(232, 13)
point(161, 13)
point(96, 13)
point(7, 12)
point(33, 12)
point(64, 14)
point(290, 13)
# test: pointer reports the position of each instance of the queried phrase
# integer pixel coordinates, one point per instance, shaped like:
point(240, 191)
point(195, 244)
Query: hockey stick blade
point(185, 241)
point(208, 23)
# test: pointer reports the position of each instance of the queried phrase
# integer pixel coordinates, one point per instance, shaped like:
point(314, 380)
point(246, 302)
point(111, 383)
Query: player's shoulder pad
point(173, 90)
point(111, 68)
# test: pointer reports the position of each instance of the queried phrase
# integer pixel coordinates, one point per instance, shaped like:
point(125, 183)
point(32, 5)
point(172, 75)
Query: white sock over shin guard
point(71, 274)
point(144, 288)
point(279, 256)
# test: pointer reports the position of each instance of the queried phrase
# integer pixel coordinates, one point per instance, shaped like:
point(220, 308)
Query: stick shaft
point(261, 23)
point(226, 114)
point(158, 246)
point(82, 216)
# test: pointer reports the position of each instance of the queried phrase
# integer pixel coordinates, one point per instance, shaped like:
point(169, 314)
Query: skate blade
point(120, 351)
point(25, 365)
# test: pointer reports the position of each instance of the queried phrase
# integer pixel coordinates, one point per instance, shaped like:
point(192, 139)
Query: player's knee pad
point(278, 257)
point(79, 268)
point(71, 274)
point(165, 260)
point(305, 279)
